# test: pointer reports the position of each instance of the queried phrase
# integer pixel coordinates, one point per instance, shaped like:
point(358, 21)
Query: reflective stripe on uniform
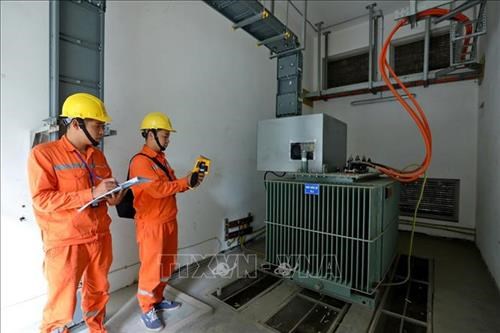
point(145, 293)
point(59, 167)
point(69, 166)
point(89, 314)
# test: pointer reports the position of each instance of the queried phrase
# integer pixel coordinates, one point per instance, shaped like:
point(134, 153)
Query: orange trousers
point(157, 252)
point(64, 268)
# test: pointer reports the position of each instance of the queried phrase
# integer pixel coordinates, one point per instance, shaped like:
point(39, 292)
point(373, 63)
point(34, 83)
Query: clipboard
point(122, 186)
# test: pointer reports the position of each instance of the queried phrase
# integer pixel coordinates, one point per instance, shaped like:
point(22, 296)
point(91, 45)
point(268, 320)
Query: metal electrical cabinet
point(340, 239)
point(281, 141)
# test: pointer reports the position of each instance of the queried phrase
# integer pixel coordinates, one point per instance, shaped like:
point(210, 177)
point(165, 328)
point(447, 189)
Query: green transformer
point(335, 235)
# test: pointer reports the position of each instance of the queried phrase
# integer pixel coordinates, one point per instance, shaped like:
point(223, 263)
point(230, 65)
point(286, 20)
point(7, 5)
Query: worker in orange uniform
point(63, 176)
point(156, 217)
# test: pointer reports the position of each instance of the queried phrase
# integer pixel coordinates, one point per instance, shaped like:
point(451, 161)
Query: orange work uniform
point(156, 224)
point(76, 244)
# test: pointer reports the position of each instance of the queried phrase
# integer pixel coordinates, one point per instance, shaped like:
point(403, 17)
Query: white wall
point(24, 103)
point(488, 191)
point(387, 134)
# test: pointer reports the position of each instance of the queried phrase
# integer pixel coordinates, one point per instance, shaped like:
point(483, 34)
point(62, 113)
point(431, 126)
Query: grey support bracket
point(251, 19)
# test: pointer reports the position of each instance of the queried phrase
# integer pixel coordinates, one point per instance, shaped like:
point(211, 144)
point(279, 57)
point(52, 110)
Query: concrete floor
point(465, 296)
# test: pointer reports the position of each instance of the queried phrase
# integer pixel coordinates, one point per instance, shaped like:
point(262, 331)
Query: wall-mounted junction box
point(281, 141)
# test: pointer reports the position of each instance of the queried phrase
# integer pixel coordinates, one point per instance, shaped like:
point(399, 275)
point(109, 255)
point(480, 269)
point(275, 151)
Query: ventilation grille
point(440, 200)
point(346, 71)
point(409, 57)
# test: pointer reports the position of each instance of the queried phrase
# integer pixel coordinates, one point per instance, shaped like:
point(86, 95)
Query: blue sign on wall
point(312, 189)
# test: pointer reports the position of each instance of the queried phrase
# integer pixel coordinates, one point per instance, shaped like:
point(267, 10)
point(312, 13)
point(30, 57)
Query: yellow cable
point(414, 222)
point(244, 248)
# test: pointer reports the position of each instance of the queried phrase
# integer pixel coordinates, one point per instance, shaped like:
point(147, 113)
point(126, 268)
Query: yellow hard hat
point(85, 106)
point(157, 120)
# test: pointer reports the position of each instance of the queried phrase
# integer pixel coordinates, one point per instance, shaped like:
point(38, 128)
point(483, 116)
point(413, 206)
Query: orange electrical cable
point(416, 112)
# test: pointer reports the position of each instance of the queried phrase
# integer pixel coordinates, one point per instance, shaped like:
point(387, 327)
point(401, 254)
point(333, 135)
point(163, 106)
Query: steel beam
point(370, 44)
point(470, 35)
point(54, 59)
point(378, 100)
point(325, 65)
point(100, 84)
point(319, 25)
point(409, 80)
point(301, 14)
point(304, 25)
point(417, 7)
point(426, 50)
point(457, 10)
point(345, 21)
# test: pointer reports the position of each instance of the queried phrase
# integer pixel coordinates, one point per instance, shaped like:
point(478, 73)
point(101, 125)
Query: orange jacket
point(154, 202)
point(60, 184)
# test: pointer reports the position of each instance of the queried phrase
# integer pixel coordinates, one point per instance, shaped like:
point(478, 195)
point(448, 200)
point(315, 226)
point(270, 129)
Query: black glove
point(194, 179)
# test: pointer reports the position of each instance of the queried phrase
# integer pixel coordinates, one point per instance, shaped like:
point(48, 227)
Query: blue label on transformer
point(312, 189)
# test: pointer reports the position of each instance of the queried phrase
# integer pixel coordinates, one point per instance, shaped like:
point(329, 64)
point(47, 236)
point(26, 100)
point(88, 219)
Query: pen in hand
point(104, 186)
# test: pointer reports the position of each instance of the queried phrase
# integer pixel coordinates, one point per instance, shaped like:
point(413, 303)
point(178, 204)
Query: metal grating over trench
point(243, 291)
point(407, 308)
point(308, 311)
